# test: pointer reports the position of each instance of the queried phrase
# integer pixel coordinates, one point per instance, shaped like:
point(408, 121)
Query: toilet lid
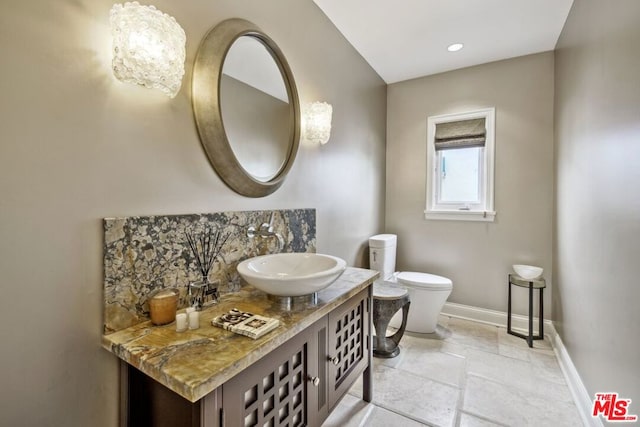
point(424, 280)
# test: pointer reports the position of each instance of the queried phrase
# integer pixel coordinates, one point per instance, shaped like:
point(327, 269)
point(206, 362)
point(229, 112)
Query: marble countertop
point(196, 362)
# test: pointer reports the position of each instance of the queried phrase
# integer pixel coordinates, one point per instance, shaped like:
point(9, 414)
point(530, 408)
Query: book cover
point(243, 323)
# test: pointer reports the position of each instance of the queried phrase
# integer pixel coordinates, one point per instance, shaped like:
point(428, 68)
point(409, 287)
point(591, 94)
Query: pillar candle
point(194, 320)
point(181, 322)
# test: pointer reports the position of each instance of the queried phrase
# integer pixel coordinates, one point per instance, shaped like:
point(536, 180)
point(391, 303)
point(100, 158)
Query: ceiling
point(406, 39)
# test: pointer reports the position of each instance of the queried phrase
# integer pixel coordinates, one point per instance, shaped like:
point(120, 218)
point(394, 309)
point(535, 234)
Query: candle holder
point(163, 304)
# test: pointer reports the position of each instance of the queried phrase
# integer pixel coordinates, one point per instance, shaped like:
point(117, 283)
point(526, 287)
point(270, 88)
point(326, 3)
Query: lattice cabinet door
point(278, 390)
point(348, 337)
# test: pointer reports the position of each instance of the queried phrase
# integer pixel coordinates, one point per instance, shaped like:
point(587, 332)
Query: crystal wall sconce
point(148, 47)
point(317, 122)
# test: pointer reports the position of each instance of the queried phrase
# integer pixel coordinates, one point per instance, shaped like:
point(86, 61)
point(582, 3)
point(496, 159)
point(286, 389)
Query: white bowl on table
point(528, 272)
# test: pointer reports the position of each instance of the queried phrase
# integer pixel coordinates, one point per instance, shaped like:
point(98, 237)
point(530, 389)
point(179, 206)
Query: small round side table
point(531, 284)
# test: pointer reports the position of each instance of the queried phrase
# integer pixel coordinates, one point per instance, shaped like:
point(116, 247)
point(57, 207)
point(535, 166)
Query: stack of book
point(243, 323)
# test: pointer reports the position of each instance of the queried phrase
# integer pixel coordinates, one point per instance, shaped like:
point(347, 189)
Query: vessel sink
point(291, 274)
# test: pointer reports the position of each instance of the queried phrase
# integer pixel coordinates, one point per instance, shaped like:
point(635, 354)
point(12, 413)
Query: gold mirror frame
point(205, 98)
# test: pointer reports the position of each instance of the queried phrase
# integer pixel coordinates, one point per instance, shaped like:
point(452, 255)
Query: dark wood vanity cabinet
point(283, 388)
point(349, 346)
point(297, 384)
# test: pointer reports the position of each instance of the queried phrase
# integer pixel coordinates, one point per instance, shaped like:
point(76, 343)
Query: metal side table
point(532, 284)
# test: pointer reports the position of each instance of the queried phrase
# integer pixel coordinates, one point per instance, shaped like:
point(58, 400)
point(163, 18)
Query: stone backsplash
point(145, 253)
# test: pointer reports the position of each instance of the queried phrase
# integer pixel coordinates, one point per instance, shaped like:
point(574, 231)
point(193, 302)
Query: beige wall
point(77, 146)
point(477, 256)
point(597, 238)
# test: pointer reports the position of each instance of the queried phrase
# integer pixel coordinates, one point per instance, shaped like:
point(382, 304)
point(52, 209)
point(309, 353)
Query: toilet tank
point(382, 254)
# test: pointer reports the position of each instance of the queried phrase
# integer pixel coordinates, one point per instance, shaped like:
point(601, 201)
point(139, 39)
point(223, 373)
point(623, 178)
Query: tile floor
point(466, 374)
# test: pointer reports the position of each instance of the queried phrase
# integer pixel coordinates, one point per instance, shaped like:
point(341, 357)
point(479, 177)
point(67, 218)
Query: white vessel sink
point(291, 274)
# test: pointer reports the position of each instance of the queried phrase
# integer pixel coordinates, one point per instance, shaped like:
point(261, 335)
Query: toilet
point(427, 292)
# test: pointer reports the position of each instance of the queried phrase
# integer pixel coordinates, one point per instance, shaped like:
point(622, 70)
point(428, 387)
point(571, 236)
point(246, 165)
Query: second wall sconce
point(317, 122)
point(148, 47)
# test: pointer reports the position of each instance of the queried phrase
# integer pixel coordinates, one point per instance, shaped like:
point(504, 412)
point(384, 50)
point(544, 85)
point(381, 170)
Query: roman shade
point(460, 134)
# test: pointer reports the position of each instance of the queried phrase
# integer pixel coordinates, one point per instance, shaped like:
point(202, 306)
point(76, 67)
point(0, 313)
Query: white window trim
point(487, 212)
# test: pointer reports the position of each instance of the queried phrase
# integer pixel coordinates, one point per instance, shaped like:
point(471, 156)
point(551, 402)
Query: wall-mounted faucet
point(266, 231)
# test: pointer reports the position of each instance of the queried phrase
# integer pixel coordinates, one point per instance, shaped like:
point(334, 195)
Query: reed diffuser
point(206, 248)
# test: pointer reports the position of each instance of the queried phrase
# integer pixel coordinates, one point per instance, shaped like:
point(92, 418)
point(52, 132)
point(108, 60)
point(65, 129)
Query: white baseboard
point(579, 392)
point(490, 317)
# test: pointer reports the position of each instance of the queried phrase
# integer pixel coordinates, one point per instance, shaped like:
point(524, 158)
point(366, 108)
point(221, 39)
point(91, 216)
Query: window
point(460, 158)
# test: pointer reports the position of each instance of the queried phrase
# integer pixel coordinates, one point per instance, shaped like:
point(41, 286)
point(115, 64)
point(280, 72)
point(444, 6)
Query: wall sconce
point(317, 122)
point(148, 47)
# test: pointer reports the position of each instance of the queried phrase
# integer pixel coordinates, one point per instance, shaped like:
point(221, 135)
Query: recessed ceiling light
point(455, 47)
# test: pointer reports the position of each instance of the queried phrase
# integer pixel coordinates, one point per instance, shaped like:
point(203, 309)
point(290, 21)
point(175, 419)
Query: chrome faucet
point(265, 231)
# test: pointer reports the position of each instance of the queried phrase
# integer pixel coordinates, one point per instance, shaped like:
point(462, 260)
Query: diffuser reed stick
point(206, 247)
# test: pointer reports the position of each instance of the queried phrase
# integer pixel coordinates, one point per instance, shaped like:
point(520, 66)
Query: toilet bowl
point(428, 292)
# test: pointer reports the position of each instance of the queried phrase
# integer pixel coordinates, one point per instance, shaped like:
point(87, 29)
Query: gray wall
point(76, 146)
point(477, 256)
point(597, 238)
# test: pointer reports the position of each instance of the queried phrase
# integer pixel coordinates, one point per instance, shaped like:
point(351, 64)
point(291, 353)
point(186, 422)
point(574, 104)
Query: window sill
point(488, 216)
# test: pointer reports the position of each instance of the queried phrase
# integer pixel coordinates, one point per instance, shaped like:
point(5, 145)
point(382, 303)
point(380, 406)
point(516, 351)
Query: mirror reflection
point(255, 108)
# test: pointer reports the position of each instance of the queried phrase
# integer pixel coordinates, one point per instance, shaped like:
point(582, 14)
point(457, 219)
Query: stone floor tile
point(514, 407)
point(467, 420)
point(434, 365)
point(465, 374)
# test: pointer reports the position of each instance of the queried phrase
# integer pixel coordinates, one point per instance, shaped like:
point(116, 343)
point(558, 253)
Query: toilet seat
point(424, 281)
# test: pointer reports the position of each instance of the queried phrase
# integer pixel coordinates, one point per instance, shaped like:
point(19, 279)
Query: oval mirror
point(246, 107)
